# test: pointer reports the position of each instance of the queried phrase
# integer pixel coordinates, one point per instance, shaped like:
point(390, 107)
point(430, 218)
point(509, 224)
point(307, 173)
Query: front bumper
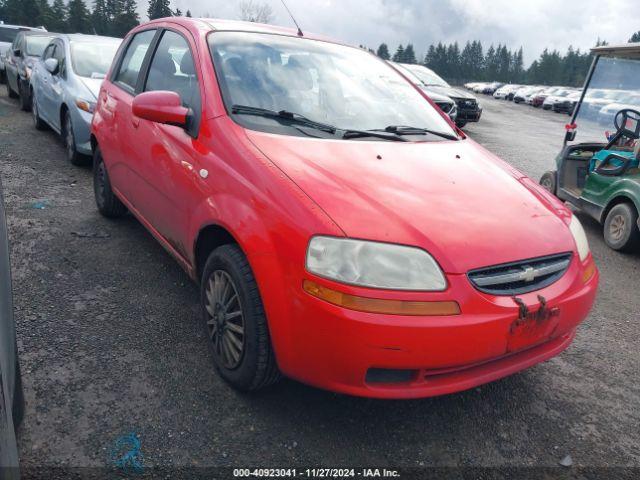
point(335, 348)
point(81, 121)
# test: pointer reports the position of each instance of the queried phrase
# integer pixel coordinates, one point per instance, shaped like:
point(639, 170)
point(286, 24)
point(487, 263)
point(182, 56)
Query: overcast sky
point(532, 24)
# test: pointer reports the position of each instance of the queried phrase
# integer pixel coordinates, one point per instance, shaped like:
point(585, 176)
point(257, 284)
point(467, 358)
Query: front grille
point(520, 277)
point(445, 107)
point(466, 104)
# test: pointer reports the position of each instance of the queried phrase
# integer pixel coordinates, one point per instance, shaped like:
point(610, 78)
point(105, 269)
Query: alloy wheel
point(617, 227)
point(225, 319)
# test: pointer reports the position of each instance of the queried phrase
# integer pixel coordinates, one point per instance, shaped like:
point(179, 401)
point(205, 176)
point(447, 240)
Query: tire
point(549, 181)
point(69, 140)
point(38, 123)
point(461, 123)
point(253, 366)
point(621, 230)
point(17, 407)
point(108, 204)
point(3, 77)
point(24, 94)
point(10, 92)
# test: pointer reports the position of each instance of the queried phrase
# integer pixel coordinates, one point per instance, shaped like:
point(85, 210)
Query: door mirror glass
point(51, 64)
point(161, 107)
point(17, 52)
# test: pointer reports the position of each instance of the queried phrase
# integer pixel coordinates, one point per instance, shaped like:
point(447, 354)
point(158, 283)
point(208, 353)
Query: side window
point(127, 75)
point(60, 56)
point(48, 53)
point(172, 68)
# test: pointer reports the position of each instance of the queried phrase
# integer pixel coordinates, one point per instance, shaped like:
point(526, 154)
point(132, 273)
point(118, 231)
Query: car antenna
point(300, 34)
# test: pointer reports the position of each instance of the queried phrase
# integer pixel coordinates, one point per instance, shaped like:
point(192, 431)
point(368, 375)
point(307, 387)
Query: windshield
point(92, 60)
point(36, 44)
point(333, 84)
point(614, 86)
point(8, 34)
point(427, 77)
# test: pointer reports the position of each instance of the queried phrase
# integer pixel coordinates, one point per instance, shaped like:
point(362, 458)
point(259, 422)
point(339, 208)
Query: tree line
point(102, 17)
point(474, 63)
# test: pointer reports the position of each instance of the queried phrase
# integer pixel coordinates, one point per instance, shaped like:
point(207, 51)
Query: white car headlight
point(373, 264)
point(582, 244)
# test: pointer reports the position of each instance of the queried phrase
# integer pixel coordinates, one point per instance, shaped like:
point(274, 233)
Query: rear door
point(120, 140)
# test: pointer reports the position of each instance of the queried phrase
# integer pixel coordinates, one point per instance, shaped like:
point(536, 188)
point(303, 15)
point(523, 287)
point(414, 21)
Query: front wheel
point(108, 204)
point(38, 123)
point(621, 231)
point(549, 181)
point(235, 321)
point(74, 157)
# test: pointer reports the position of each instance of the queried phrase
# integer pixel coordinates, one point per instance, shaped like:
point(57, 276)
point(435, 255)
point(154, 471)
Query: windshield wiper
point(405, 130)
point(349, 134)
point(283, 114)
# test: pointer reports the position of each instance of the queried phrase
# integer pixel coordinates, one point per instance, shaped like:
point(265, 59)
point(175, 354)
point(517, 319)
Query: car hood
point(93, 85)
point(435, 96)
point(456, 200)
point(451, 92)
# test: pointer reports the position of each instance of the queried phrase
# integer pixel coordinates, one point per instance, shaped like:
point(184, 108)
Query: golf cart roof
point(626, 50)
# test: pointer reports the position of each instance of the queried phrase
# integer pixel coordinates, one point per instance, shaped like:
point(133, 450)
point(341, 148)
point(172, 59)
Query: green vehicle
point(598, 168)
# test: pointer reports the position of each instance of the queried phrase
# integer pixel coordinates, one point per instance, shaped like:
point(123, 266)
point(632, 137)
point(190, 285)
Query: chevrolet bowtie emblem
point(528, 275)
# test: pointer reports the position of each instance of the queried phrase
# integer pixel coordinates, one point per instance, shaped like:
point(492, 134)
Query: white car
point(503, 92)
point(558, 96)
point(608, 112)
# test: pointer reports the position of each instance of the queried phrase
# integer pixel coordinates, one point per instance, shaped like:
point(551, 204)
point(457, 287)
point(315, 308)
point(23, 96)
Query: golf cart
point(597, 170)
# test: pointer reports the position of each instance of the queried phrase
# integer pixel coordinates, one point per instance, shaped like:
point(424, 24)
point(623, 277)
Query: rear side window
point(7, 35)
point(131, 64)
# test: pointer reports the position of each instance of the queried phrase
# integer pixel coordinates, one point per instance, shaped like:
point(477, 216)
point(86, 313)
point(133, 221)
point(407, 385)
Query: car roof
point(22, 27)
point(629, 50)
point(81, 37)
point(37, 33)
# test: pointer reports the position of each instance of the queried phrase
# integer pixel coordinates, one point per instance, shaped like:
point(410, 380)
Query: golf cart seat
point(613, 162)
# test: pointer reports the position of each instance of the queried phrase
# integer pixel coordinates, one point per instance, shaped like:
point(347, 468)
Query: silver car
point(65, 84)
point(7, 36)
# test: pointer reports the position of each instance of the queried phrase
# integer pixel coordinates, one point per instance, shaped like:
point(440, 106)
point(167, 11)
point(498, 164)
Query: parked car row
point(58, 77)
point(599, 105)
point(322, 204)
point(458, 104)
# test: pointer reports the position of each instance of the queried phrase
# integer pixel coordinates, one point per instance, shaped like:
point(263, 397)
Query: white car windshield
point(427, 77)
point(337, 85)
point(36, 44)
point(92, 60)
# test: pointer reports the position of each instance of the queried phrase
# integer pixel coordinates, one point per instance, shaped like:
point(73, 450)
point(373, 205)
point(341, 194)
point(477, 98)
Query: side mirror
point(17, 52)
point(161, 107)
point(51, 64)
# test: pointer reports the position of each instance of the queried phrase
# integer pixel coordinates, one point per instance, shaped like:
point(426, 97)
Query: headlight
point(85, 105)
point(373, 264)
point(582, 244)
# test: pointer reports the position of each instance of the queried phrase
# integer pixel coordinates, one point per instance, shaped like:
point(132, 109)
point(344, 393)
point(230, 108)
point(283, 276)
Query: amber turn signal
point(376, 305)
point(589, 271)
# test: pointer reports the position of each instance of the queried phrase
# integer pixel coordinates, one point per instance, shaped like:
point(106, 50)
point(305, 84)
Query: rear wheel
point(25, 96)
point(10, 92)
point(549, 181)
point(235, 321)
point(621, 228)
point(108, 204)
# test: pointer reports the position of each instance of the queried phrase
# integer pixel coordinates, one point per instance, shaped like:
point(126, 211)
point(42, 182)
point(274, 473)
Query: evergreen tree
point(383, 52)
point(159, 9)
point(125, 19)
point(58, 17)
point(177, 13)
point(409, 55)
point(78, 19)
point(45, 15)
point(188, 15)
point(399, 55)
point(635, 37)
point(100, 18)
point(22, 12)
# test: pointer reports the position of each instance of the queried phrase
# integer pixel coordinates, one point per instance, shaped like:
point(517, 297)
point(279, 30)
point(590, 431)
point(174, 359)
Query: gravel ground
point(111, 345)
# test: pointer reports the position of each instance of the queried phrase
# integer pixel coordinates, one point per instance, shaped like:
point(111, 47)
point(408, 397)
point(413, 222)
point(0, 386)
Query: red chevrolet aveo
point(342, 231)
